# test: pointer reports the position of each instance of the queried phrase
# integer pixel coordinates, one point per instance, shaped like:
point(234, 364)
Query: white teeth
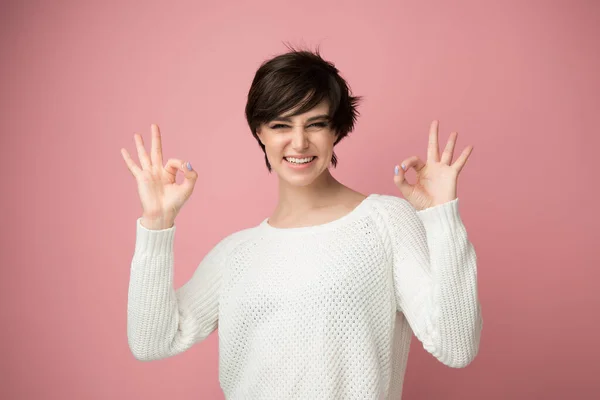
point(299, 160)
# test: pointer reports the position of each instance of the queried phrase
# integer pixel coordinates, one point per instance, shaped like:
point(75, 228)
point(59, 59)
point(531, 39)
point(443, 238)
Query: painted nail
point(189, 166)
point(396, 170)
point(403, 167)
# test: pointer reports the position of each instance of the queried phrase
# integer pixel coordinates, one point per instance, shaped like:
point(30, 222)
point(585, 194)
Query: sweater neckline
point(357, 211)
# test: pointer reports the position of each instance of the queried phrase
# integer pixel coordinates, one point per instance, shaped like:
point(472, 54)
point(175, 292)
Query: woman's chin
point(299, 179)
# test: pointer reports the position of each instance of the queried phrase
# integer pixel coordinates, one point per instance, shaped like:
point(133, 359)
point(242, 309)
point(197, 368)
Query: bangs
point(298, 94)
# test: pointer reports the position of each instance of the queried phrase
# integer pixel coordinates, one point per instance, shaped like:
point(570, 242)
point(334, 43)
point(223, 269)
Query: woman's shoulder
point(239, 236)
point(392, 212)
point(378, 201)
point(389, 202)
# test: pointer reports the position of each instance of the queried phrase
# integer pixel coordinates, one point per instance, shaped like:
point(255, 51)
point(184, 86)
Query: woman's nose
point(299, 138)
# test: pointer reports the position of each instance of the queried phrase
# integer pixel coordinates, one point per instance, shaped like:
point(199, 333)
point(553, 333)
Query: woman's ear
point(259, 135)
point(336, 135)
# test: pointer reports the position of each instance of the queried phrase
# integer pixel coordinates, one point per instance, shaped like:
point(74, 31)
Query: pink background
point(518, 80)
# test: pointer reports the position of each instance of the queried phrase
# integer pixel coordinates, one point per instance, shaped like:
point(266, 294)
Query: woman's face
point(307, 136)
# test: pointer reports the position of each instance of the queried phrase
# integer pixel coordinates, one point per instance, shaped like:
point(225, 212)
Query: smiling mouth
point(301, 163)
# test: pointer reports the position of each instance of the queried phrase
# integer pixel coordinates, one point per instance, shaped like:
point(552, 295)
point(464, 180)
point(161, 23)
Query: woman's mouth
point(300, 163)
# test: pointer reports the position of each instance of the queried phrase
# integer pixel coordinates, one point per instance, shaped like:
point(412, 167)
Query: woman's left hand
point(436, 179)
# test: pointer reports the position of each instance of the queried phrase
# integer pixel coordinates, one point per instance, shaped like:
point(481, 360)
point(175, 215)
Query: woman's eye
point(316, 124)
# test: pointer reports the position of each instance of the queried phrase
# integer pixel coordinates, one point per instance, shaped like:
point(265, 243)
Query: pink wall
point(517, 79)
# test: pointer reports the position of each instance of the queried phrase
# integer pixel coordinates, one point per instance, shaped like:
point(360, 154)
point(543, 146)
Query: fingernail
point(396, 170)
point(403, 167)
point(189, 166)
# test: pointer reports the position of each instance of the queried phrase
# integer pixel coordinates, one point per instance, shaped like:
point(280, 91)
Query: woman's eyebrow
point(288, 119)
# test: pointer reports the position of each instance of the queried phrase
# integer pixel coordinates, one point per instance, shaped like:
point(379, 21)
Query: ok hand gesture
point(161, 197)
point(437, 179)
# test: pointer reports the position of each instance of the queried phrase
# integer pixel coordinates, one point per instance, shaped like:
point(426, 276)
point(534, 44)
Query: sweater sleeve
point(435, 279)
point(162, 321)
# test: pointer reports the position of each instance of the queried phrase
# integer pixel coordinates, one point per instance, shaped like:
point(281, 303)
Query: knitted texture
point(319, 312)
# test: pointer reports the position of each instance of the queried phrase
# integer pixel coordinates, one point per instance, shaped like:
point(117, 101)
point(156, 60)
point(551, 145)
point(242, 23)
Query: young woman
point(320, 299)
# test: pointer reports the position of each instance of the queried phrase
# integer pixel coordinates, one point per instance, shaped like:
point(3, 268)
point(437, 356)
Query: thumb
point(401, 182)
point(190, 177)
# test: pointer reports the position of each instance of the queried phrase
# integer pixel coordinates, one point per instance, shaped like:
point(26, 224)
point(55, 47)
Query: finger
point(449, 150)
point(433, 150)
point(190, 178)
point(133, 168)
point(413, 162)
point(173, 165)
point(400, 178)
point(142, 155)
point(156, 150)
point(461, 161)
point(400, 181)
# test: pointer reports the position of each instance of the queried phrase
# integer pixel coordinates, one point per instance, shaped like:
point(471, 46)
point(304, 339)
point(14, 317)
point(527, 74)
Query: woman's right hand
point(161, 197)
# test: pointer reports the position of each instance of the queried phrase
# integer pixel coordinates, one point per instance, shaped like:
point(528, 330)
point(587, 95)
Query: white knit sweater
point(320, 312)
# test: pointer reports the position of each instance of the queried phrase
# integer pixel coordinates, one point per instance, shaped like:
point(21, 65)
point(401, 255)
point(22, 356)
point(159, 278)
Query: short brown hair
point(300, 78)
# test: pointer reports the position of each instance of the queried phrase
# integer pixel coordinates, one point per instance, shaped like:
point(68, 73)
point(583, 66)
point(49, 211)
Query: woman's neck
point(323, 192)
